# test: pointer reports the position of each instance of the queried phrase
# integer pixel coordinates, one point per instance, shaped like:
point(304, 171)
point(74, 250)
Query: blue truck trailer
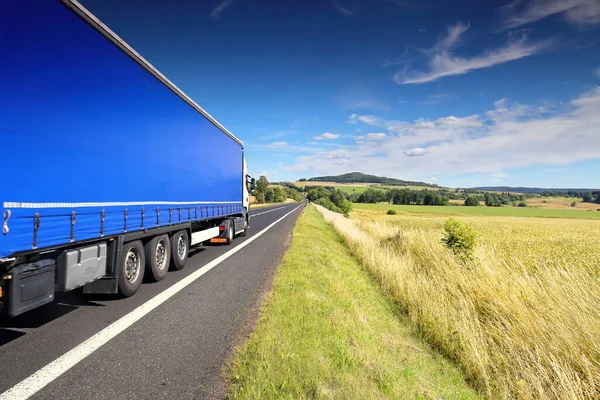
point(109, 171)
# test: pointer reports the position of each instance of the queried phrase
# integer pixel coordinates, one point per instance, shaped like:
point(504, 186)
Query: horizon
point(441, 185)
point(505, 94)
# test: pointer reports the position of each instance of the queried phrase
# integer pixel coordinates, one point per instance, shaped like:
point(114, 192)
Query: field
point(562, 203)
point(484, 211)
point(521, 318)
point(347, 188)
point(327, 331)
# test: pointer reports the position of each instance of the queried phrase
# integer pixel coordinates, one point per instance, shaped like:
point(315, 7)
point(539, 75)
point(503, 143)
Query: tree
point(269, 195)
point(278, 195)
point(588, 198)
point(472, 201)
point(573, 204)
point(261, 186)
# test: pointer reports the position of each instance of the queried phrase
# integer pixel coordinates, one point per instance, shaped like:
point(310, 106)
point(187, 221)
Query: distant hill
point(358, 177)
point(574, 192)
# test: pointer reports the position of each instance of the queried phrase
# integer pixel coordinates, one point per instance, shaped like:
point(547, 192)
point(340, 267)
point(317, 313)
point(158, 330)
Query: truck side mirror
point(252, 184)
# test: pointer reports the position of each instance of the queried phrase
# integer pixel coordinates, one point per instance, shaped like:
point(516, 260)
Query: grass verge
point(327, 331)
point(521, 318)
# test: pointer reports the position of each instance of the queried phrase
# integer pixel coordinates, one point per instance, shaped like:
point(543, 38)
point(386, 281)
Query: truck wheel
point(158, 257)
point(230, 231)
point(131, 268)
point(180, 246)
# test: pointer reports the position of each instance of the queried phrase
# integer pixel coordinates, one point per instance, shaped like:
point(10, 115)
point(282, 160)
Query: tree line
point(275, 194)
point(358, 177)
point(592, 197)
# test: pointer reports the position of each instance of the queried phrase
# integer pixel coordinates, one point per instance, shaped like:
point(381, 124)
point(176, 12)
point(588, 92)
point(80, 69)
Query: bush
point(522, 204)
point(573, 204)
point(472, 201)
point(328, 204)
point(460, 238)
point(391, 212)
point(598, 209)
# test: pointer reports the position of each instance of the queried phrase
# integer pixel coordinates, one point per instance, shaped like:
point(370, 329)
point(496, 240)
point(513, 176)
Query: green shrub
point(460, 238)
point(391, 212)
point(522, 204)
point(472, 201)
point(573, 204)
point(328, 204)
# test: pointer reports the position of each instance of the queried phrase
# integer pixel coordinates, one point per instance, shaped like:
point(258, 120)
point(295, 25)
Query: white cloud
point(417, 151)
point(278, 134)
point(218, 10)
point(519, 13)
point(443, 63)
point(376, 136)
point(327, 136)
point(472, 120)
point(278, 145)
point(509, 135)
point(452, 37)
point(421, 123)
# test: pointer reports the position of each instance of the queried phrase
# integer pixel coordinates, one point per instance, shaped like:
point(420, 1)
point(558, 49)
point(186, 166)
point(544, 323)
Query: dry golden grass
point(522, 320)
point(462, 202)
point(561, 203)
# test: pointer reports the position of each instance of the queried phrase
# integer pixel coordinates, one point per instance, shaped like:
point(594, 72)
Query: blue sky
point(457, 93)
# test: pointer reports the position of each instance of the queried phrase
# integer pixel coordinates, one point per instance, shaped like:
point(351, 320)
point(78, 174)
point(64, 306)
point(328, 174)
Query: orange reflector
point(218, 240)
point(0, 291)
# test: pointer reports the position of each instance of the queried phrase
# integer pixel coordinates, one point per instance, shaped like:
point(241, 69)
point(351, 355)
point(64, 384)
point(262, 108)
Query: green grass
point(344, 188)
point(352, 189)
point(487, 211)
point(327, 331)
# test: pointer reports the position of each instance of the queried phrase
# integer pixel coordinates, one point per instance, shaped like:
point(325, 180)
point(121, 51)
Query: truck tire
point(131, 268)
point(158, 257)
point(180, 245)
point(230, 231)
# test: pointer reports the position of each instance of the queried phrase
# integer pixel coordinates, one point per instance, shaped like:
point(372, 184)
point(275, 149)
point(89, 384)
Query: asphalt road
point(177, 351)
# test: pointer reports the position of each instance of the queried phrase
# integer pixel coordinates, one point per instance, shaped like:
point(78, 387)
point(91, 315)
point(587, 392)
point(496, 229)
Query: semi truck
point(108, 171)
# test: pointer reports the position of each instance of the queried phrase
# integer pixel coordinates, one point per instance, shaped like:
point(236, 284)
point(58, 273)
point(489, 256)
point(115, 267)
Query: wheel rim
point(181, 247)
point(132, 265)
point(161, 255)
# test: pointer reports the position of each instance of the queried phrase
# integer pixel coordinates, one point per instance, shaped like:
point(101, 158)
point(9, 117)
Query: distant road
point(175, 351)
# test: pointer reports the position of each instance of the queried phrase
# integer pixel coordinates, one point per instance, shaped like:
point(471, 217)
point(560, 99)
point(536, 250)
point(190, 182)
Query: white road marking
point(38, 380)
point(264, 212)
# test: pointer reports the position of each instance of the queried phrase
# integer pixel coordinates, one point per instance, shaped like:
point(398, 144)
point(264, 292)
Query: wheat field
point(522, 319)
